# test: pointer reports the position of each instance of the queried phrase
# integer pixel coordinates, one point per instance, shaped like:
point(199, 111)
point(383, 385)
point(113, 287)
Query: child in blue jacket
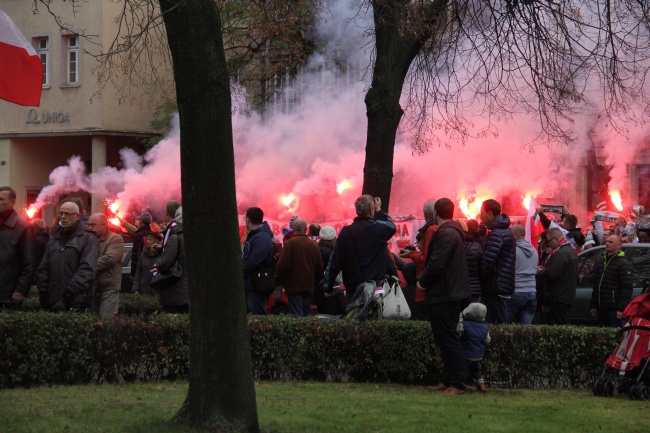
point(475, 337)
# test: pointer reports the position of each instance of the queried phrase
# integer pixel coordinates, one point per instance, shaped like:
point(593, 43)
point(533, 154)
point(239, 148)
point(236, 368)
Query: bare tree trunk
point(395, 50)
point(221, 392)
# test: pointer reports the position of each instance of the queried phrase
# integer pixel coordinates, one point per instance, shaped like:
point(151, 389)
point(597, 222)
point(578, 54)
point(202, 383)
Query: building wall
point(73, 119)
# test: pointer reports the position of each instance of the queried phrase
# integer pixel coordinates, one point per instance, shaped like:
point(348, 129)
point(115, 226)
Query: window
point(43, 50)
point(586, 266)
point(71, 45)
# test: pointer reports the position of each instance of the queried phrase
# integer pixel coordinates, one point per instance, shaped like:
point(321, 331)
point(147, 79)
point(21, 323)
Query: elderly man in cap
point(109, 267)
point(67, 273)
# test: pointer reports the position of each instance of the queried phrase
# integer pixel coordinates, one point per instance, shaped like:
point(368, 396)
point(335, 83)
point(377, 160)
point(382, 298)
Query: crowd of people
point(460, 276)
point(77, 265)
point(457, 264)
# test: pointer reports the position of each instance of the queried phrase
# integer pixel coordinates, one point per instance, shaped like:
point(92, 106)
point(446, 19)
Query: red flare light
point(343, 185)
point(616, 199)
point(115, 206)
point(115, 222)
point(290, 201)
point(30, 212)
point(471, 209)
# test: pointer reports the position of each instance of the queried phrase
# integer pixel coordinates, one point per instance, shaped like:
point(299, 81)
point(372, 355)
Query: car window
point(126, 257)
point(641, 259)
point(586, 267)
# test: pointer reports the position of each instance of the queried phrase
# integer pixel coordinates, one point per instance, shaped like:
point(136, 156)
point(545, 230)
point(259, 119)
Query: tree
point(221, 392)
point(548, 59)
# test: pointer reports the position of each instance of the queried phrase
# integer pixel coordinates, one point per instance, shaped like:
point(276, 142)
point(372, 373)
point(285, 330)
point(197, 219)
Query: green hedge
point(45, 348)
point(130, 304)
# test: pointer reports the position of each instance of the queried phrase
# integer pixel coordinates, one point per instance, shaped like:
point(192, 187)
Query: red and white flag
point(533, 225)
point(21, 71)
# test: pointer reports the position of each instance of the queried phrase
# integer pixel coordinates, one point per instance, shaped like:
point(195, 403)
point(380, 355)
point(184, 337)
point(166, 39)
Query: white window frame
point(72, 68)
point(44, 56)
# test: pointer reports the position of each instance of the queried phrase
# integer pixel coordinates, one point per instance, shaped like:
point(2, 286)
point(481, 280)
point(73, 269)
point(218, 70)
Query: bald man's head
point(519, 231)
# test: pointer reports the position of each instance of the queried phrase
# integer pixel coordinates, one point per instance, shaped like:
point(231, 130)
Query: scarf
point(550, 256)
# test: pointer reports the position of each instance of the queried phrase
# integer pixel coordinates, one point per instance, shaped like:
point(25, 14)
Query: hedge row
point(45, 348)
point(129, 304)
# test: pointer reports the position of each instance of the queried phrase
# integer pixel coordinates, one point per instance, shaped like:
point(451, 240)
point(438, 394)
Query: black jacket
point(445, 276)
point(474, 251)
point(138, 241)
point(143, 275)
point(15, 257)
point(176, 293)
point(363, 242)
point(499, 255)
point(561, 276)
point(69, 266)
point(41, 240)
point(613, 282)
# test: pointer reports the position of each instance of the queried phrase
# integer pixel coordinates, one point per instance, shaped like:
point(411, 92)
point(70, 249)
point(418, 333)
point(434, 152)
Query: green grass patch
point(324, 407)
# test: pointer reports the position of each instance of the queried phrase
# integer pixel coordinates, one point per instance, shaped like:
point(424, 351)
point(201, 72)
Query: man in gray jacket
point(108, 280)
point(67, 273)
point(522, 305)
point(15, 252)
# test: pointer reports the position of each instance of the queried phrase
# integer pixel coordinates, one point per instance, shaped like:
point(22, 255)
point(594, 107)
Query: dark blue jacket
point(257, 251)
point(366, 240)
point(474, 338)
point(499, 255)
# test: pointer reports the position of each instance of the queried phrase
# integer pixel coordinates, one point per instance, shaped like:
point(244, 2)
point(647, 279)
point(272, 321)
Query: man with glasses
point(15, 252)
point(106, 296)
point(560, 276)
point(67, 273)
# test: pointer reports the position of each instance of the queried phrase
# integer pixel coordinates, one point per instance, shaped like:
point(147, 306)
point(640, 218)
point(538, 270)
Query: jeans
point(300, 305)
point(522, 307)
point(444, 318)
point(256, 302)
point(497, 308)
point(106, 303)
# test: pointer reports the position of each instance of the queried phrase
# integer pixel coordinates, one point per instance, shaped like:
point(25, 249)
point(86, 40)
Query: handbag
point(263, 281)
point(395, 306)
point(163, 279)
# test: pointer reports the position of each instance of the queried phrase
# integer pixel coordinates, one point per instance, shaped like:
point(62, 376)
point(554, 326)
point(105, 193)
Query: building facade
point(74, 118)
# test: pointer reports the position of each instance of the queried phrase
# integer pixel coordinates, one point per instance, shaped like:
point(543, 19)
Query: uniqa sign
point(47, 117)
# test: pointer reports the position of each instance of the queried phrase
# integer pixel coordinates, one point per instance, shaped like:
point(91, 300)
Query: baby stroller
point(631, 358)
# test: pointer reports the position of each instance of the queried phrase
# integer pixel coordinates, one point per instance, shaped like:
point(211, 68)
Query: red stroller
point(631, 358)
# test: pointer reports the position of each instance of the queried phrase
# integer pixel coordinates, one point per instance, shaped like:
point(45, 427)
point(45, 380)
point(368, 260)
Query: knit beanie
point(327, 233)
point(475, 311)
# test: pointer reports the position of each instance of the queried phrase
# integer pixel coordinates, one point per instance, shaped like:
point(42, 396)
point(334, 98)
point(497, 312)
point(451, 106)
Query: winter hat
point(292, 220)
point(327, 233)
point(286, 231)
point(476, 311)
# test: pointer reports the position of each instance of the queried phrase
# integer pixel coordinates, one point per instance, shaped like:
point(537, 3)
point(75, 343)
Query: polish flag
point(533, 225)
point(21, 72)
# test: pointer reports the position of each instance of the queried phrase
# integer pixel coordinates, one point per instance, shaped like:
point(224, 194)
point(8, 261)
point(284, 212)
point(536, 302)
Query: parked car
point(126, 268)
point(638, 254)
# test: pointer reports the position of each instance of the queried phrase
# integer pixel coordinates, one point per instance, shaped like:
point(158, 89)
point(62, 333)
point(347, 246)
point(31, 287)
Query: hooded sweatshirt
point(525, 267)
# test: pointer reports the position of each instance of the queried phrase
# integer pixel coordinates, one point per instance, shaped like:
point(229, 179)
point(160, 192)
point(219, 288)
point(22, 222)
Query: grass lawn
point(324, 407)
